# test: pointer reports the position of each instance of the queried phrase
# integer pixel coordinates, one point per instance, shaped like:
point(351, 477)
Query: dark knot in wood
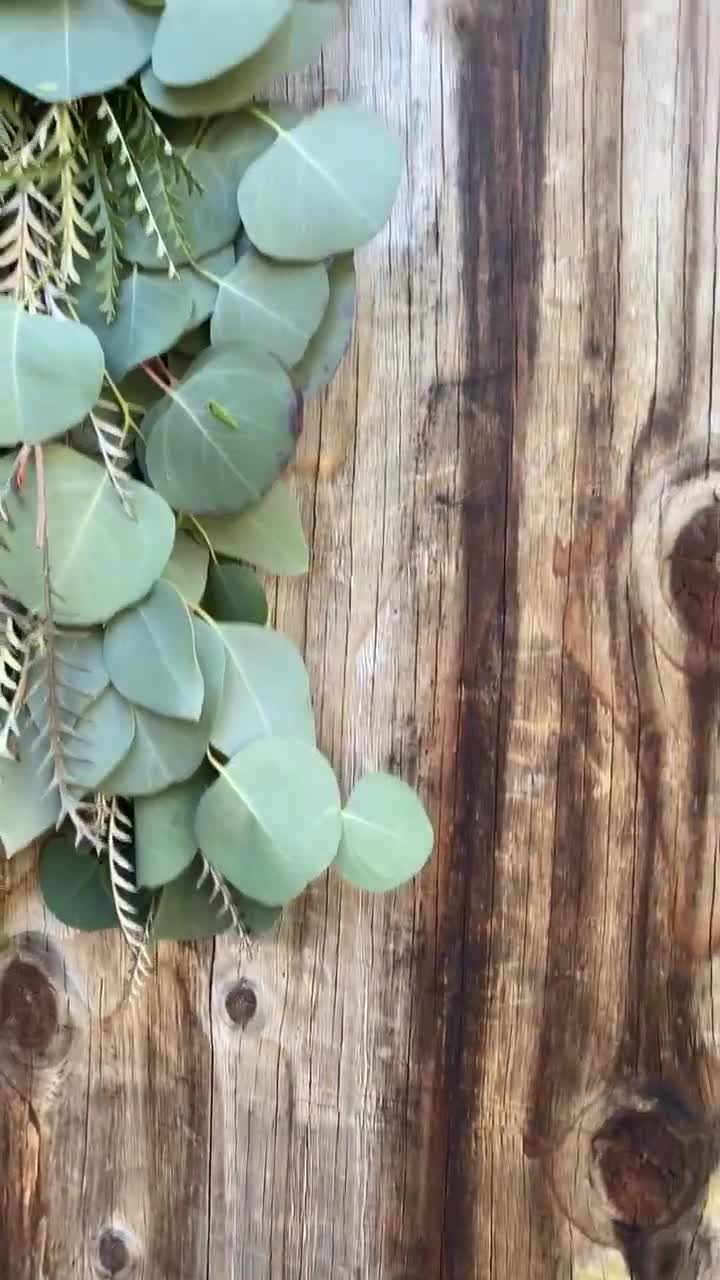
point(695, 577)
point(28, 1006)
point(644, 1168)
point(113, 1253)
point(241, 1003)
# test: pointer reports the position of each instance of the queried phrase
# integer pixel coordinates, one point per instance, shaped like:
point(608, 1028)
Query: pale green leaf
point(152, 313)
point(168, 751)
point(329, 344)
point(201, 281)
point(268, 534)
point(100, 561)
point(209, 217)
point(50, 376)
point(74, 887)
point(195, 42)
point(386, 834)
point(266, 692)
point(338, 172)
point(99, 741)
point(187, 568)
point(271, 823)
point(29, 804)
point(270, 306)
point(165, 842)
point(219, 438)
point(80, 674)
point(149, 652)
point(234, 594)
point(58, 50)
point(295, 43)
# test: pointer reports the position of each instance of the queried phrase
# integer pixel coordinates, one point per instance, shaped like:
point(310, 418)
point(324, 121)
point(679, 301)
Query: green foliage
point(169, 293)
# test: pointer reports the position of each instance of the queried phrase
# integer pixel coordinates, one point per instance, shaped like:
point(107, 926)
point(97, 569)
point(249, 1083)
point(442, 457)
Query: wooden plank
point(508, 1071)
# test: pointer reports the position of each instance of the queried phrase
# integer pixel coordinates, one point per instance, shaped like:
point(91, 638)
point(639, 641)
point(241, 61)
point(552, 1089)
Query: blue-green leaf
point(268, 534)
point(196, 43)
point(271, 306)
point(266, 692)
point(150, 655)
point(271, 823)
point(74, 887)
point(386, 834)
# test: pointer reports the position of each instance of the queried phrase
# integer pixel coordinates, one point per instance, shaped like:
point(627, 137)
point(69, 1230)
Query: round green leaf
point(234, 594)
point(201, 281)
point(168, 751)
point(73, 887)
point(209, 217)
point(219, 438)
point(81, 675)
point(51, 373)
point(152, 312)
point(266, 692)
point(196, 43)
point(165, 842)
point(271, 822)
point(270, 306)
point(187, 568)
point(339, 173)
point(99, 740)
point(329, 344)
point(295, 43)
point(58, 50)
point(150, 655)
point(186, 912)
point(29, 803)
point(386, 834)
point(268, 534)
point(100, 561)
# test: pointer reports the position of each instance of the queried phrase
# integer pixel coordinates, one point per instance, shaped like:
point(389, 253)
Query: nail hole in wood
point(241, 1004)
point(644, 1168)
point(28, 1006)
point(695, 577)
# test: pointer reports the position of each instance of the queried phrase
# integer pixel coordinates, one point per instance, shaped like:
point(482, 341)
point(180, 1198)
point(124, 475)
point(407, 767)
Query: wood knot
point(675, 563)
point(643, 1166)
point(241, 1003)
point(28, 1006)
point(695, 577)
point(117, 1253)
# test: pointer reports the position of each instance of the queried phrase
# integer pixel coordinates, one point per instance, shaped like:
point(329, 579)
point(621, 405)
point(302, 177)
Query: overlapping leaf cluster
point(176, 275)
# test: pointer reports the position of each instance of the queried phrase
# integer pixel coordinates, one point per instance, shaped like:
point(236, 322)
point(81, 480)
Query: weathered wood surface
point(513, 496)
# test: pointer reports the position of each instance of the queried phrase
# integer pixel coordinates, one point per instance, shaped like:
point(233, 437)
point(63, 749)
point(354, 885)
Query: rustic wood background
point(510, 1070)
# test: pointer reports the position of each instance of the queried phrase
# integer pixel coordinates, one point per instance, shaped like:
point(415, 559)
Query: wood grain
point(509, 1070)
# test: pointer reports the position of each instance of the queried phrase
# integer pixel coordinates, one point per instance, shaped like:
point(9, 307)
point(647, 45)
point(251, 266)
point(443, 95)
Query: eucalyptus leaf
point(386, 835)
point(239, 138)
point(201, 282)
point(196, 43)
point(80, 672)
point(219, 438)
point(268, 534)
point(59, 50)
point(339, 173)
point(101, 738)
point(234, 594)
point(50, 376)
point(186, 912)
point(209, 216)
point(329, 344)
point(271, 306)
point(152, 313)
point(293, 45)
point(149, 652)
point(29, 804)
point(100, 561)
point(73, 887)
point(271, 822)
point(187, 568)
point(266, 692)
point(165, 751)
point(165, 842)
